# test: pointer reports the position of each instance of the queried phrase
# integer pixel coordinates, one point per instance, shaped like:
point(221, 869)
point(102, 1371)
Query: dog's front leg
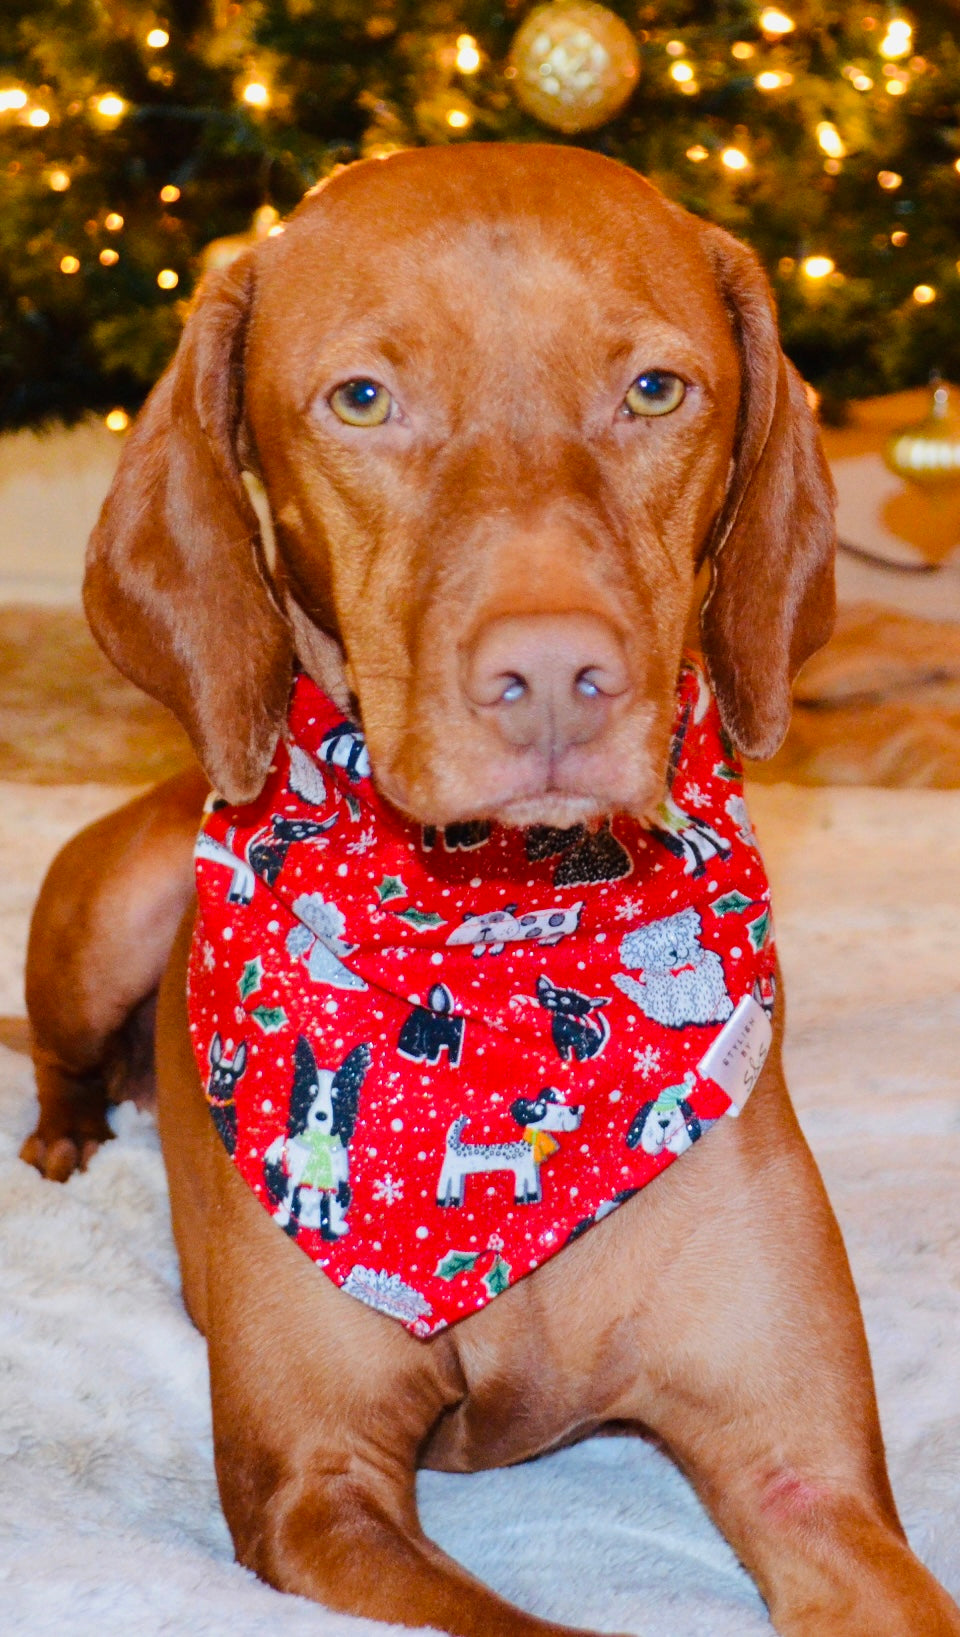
point(320, 1407)
point(753, 1368)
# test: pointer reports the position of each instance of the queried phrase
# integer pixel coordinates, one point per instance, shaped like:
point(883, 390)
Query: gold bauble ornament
point(928, 452)
point(574, 65)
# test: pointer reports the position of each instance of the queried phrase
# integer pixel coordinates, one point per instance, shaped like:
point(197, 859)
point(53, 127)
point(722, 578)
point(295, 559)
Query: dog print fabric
point(437, 1057)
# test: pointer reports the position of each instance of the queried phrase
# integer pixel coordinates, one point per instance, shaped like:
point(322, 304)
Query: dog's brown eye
point(361, 403)
point(655, 392)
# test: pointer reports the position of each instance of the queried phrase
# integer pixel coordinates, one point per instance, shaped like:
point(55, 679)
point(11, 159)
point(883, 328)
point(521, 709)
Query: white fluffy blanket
point(108, 1513)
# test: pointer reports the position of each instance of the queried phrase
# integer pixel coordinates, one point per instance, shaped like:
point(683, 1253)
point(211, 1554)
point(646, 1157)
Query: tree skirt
point(109, 1517)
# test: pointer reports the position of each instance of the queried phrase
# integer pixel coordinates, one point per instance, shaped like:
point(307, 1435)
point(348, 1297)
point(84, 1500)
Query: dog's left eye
point(361, 403)
point(655, 392)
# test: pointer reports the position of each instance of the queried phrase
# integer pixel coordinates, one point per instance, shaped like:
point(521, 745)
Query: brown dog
point(489, 500)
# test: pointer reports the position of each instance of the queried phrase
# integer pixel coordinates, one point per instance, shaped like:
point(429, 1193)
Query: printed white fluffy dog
point(682, 982)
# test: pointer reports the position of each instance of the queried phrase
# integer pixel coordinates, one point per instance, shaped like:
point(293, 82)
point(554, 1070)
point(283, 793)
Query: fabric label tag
point(739, 1052)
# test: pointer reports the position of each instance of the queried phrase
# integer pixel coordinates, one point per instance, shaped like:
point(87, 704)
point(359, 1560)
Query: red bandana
point(437, 1056)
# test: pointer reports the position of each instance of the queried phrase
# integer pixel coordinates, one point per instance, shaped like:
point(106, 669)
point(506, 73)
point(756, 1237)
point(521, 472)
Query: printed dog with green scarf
point(307, 1172)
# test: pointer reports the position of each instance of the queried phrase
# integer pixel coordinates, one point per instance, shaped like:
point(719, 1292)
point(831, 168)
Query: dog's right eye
point(361, 403)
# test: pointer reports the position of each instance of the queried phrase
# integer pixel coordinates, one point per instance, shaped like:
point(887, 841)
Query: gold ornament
point(928, 452)
point(574, 65)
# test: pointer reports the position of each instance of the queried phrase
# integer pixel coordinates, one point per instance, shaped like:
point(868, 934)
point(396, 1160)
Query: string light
point(168, 279)
point(675, 48)
point(735, 159)
point(889, 180)
point(468, 57)
point(743, 50)
point(109, 258)
point(776, 22)
point(458, 119)
point(896, 86)
point(256, 94)
point(818, 267)
point(113, 222)
point(897, 42)
point(830, 140)
point(772, 79)
point(58, 181)
point(681, 71)
point(11, 99)
point(69, 264)
point(157, 39)
point(698, 153)
point(169, 195)
point(900, 237)
point(117, 421)
point(111, 106)
point(861, 82)
point(38, 117)
point(923, 294)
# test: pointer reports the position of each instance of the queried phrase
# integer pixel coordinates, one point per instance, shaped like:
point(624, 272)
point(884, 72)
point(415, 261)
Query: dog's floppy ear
point(771, 599)
point(177, 589)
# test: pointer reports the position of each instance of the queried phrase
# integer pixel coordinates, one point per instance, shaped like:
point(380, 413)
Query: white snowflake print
point(365, 840)
point(694, 796)
point(209, 956)
point(629, 908)
point(388, 1188)
point(647, 1062)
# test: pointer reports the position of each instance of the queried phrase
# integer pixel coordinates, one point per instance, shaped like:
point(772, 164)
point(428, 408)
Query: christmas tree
point(133, 136)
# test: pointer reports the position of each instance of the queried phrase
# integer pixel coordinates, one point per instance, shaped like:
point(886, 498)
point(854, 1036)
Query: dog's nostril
point(515, 689)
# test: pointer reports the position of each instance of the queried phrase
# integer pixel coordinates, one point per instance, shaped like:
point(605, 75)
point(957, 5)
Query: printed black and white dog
point(432, 1029)
point(222, 1089)
point(576, 1033)
point(307, 1172)
point(538, 1119)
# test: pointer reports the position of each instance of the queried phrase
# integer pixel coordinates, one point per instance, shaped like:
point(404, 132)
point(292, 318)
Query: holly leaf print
point(498, 1278)
point(457, 1261)
point(391, 887)
point(731, 903)
point(419, 918)
point(251, 977)
point(758, 931)
point(270, 1018)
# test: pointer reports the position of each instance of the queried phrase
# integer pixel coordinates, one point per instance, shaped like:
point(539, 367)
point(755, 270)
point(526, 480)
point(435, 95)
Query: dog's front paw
point(56, 1152)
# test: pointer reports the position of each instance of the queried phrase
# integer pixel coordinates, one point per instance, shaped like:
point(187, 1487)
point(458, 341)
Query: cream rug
point(108, 1510)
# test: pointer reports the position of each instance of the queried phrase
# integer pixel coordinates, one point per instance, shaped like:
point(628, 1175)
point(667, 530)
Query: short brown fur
point(507, 297)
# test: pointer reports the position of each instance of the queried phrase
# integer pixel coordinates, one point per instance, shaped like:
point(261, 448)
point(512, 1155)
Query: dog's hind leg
point(101, 934)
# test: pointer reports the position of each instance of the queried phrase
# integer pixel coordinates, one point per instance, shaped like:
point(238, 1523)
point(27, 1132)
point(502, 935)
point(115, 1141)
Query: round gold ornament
point(928, 452)
point(574, 65)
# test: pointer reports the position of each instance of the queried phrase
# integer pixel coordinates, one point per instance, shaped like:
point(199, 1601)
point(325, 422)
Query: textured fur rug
point(108, 1509)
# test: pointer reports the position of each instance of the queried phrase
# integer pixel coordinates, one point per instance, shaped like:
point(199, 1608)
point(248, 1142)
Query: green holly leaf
point(731, 903)
point(758, 931)
point(251, 977)
point(270, 1018)
point(457, 1261)
point(498, 1278)
point(419, 918)
point(391, 887)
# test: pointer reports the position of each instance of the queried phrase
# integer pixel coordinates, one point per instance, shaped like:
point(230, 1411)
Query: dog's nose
point(548, 680)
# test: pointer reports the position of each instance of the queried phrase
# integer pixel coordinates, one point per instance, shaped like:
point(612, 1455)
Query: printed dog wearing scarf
point(683, 983)
point(540, 1118)
point(307, 1172)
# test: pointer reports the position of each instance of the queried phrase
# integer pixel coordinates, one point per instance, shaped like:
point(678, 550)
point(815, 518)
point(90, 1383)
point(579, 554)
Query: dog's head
point(548, 1112)
point(504, 403)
